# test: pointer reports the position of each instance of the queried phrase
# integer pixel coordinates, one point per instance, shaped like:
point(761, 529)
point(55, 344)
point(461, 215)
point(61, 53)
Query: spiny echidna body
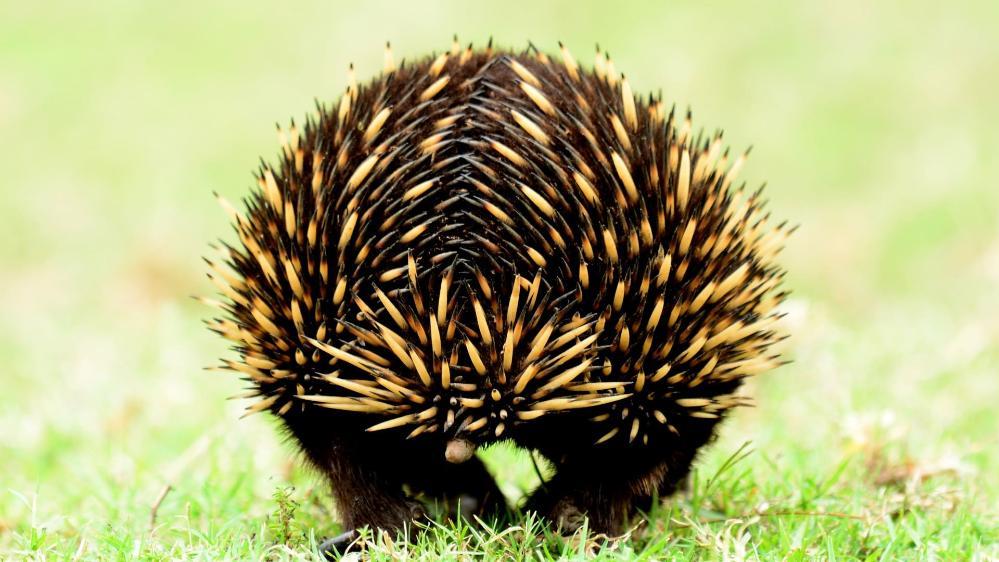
point(487, 245)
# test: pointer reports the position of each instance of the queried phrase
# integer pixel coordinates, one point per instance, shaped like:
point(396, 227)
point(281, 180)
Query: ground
point(872, 124)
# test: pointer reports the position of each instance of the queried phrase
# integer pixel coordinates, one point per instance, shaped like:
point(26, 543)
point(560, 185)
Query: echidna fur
point(489, 245)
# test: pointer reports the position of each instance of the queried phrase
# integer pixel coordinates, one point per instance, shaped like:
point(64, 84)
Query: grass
point(873, 125)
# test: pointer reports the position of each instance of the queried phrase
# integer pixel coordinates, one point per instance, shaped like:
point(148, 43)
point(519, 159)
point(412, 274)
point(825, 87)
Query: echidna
point(489, 245)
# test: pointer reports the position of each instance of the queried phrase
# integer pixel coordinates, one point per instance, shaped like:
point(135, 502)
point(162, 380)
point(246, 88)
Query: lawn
point(873, 126)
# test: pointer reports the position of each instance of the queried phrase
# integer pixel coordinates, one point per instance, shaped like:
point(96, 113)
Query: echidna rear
point(489, 245)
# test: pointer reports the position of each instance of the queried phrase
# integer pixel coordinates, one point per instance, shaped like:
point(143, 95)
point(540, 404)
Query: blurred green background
point(873, 124)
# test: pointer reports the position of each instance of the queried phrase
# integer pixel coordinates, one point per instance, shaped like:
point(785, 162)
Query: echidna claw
point(335, 547)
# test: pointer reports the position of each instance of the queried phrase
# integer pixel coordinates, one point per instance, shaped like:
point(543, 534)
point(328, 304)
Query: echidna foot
point(335, 547)
point(567, 516)
point(349, 541)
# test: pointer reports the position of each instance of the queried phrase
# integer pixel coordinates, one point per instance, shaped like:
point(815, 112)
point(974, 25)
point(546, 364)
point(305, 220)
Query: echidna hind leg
point(569, 502)
point(604, 490)
point(367, 494)
point(367, 497)
point(366, 480)
point(370, 481)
